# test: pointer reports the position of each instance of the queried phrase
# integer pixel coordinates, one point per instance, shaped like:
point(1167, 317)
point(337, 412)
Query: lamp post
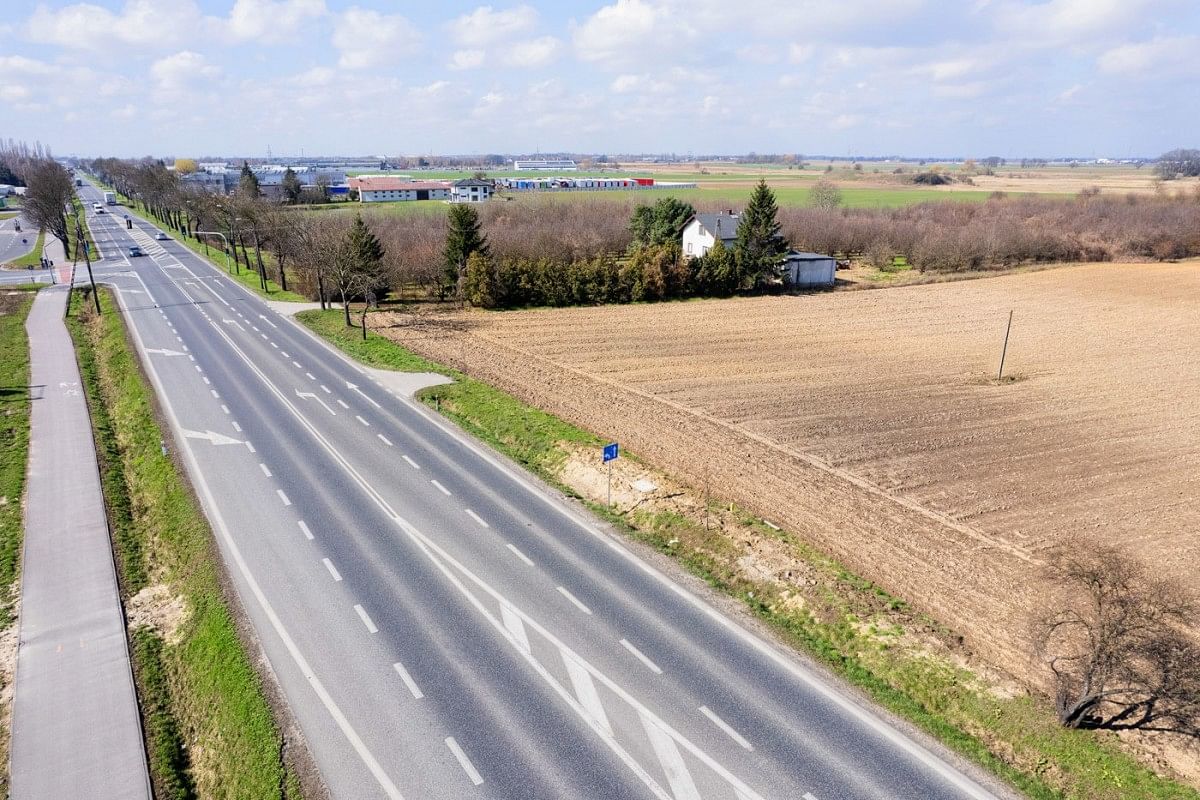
point(218, 233)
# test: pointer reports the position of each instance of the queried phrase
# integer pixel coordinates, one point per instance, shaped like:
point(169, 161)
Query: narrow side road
point(75, 728)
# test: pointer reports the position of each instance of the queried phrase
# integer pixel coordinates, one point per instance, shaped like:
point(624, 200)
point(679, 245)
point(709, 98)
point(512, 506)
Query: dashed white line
point(464, 762)
point(214, 393)
point(476, 517)
point(333, 573)
point(283, 497)
point(197, 366)
point(808, 796)
point(250, 447)
point(363, 421)
point(225, 408)
point(342, 403)
point(311, 377)
point(192, 358)
point(726, 727)
point(274, 345)
point(236, 427)
point(642, 657)
point(304, 528)
point(283, 352)
point(207, 382)
point(296, 364)
point(362, 614)
point(578, 603)
point(325, 389)
point(411, 463)
point(266, 471)
point(528, 561)
point(384, 439)
point(408, 681)
point(441, 488)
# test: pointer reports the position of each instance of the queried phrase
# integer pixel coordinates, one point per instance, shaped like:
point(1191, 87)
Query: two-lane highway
point(440, 626)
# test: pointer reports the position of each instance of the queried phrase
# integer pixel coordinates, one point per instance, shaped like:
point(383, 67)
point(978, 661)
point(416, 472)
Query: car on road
point(162, 237)
point(97, 208)
point(135, 251)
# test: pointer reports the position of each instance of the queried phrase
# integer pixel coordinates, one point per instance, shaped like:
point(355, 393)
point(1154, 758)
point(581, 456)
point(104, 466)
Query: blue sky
point(871, 77)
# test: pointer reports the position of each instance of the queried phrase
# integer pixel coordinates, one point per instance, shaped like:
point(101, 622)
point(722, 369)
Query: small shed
point(808, 269)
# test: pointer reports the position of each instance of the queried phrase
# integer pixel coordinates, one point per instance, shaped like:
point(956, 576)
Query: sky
point(1012, 78)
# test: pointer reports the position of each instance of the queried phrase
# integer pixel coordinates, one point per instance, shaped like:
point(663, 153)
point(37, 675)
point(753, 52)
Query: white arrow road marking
point(319, 400)
point(264, 319)
point(212, 436)
point(354, 388)
point(234, 322)
point(163, 351)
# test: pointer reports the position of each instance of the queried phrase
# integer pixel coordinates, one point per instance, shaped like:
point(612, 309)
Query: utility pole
point(1004, 350)
point(87, 259)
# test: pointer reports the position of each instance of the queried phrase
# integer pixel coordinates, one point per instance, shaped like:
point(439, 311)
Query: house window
point(689, 248)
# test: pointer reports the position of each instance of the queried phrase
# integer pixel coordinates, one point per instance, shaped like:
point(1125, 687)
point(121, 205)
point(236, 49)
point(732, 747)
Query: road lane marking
point(274, 345)
point(236, 427)
point(363, 421)
point(333, 573)
point(250, 447)
point(311, 377)
point(354, 388)
point(264, 319)
point(325, 389)
point(408, 681)
point(682, 785)
point(642, 657)
point(214, 393)
point(520, 555)
point(191, 358)
point(362, 614)
point(266, 471)
point(304, 528)
point(225, 408)
point(515, 627)
point(283, 497)
point(464, 762)
point(726, 727)
point(282, 352)
point(302, 395)
point(585, 691)
point(411, 463)
point(808, 796)
point(578, 603)
point(296, 364)
point(477, 518)
point(384, 439)
point(441, 488)
point(197, 366)
point(207, 382)
point(342, 403)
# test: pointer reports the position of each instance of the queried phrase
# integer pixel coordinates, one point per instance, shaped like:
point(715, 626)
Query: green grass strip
point(1015, 738)
point(14, 440)
point(209, 727)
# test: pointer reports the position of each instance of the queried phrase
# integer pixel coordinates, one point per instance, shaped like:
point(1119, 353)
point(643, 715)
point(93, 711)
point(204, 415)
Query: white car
point(162, 237)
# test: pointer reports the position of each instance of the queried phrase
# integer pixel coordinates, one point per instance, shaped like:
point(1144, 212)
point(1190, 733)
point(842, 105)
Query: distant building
point(703, 230)
point(380, 189)
point(808, 269)
point(209, 181)
point(472, 190)
point(557, 164)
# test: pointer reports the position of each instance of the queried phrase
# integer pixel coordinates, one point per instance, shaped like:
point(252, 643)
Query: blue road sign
point(611, 451)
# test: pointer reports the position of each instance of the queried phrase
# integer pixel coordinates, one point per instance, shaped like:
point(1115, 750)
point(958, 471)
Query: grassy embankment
point(209, 728)
point(850, 628)
point(95, 253)
point(14, 454)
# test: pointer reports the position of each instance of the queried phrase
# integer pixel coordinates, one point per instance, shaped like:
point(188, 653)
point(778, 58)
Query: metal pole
point(87, 259)
point(218, 233)
point(610, 484)
point(1004, 351)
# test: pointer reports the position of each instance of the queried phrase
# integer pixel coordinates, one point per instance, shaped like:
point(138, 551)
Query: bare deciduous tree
point(825, 195)
point(47, 198)
point(1117, 647)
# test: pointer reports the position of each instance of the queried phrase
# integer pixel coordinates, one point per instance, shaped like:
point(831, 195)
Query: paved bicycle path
point(76, 731)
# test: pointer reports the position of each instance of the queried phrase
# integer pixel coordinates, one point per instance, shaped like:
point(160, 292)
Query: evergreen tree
point(660, 223)
point(291, 186)
point(463, 238)
point(360, 265)
point(717, 270)
point(248, 182)
point(759, 248)
point(479, 284)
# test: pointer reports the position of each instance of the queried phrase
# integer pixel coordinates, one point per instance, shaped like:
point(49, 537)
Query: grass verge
point(34, 257)
point(14, 456)
point(209, 727)
point(853, 627)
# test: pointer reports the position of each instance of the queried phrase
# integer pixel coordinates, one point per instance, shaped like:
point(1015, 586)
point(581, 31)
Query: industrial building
point(556, 164)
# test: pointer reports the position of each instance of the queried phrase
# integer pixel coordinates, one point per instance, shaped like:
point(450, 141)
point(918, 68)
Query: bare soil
point(869, 423)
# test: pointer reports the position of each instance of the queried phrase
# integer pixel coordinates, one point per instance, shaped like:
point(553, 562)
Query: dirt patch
point(156, 608)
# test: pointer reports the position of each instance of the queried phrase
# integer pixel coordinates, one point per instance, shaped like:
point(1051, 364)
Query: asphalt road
point(440, 626)
point(13, 245)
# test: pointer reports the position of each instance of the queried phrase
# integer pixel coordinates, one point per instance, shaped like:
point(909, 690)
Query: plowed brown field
point(867, 421)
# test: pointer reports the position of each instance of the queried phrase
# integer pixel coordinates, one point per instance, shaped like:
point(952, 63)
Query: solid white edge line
point(408, 681)
point(214, 513)
point(528, 561)
point(477, 518)
point(464, 762)
point(726, 727)
point(366, 620)
point(333, 573)
point(642, 657)
point(578, 603)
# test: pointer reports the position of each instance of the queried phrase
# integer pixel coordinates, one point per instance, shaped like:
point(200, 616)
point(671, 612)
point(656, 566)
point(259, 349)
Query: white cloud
point(367, 38)
point(140, 23)
point(1165, 55)
point(272, 21)
point(485, 26)
point(799, 53)
point(631, 30)
point(177, 73)
point(533, 53)
point(1076, 22)
point(467, 59)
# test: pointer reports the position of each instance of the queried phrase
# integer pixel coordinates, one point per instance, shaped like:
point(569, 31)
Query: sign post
point(611, 452)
